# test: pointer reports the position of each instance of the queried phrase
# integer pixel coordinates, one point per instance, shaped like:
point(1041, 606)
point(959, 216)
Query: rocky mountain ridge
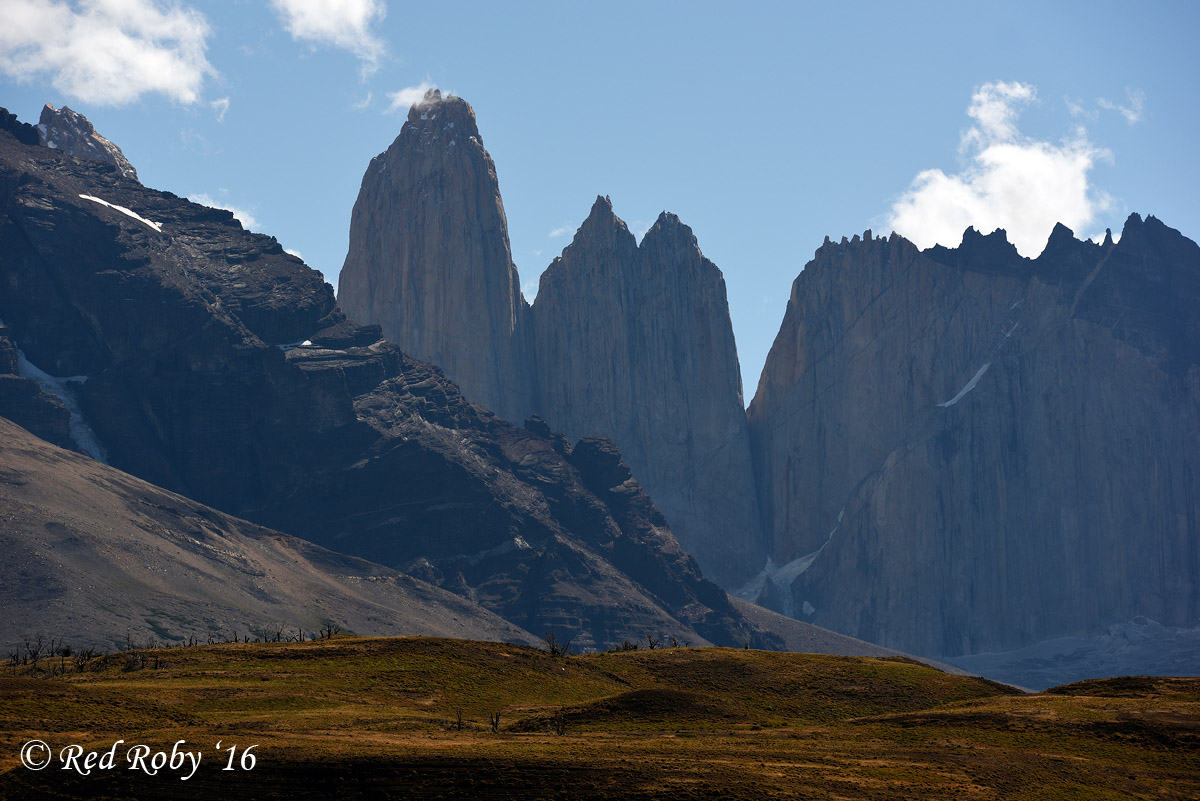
point(626, 341)
point(213, 364)
point(962, 450)
point(952, 450)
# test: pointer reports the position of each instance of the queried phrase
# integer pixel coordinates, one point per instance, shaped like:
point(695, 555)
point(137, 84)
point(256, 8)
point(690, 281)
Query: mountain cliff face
point(206, 360)
point(630, 343)
point(429, 258)
point(962, 450)
point(635, 343)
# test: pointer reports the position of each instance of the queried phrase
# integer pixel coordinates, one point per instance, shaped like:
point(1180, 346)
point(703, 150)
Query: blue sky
point(765, 126)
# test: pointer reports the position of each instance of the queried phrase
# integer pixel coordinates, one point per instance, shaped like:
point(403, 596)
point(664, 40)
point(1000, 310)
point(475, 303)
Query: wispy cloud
point(562, 230)
point(106, 52)
point(348, 24)
point(408, 96)
point(220, 107)
point(1135, 100)
point(248, 220)
point(1011, 181)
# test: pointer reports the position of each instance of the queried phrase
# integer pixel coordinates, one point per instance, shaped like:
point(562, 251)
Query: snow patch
point(81, 432)
point(970, 384)
point(153, 225)
point(293, 345)
point(783, 577)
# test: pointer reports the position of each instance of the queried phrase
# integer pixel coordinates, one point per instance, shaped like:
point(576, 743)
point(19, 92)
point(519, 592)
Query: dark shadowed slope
point(91, 555)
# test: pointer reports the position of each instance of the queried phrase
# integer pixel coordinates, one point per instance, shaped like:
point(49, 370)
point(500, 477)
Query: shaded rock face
point(630, 343)
point(26, 403)
point(72, 133)
point(429, 259)
point(961, 450)
point(635, 343)
point(220, 367)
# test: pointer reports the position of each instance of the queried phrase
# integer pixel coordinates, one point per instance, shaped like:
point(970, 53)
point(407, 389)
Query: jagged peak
point(669, 228)
point(601, 217)
point(1132, 223)
point(72, 133)
point(1060, 233)
point(445, 113)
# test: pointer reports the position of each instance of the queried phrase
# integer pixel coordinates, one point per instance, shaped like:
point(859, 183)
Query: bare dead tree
point(652, 641)
point(494, 720)
point(559, 722)
point(556, 647)
point(35, 645)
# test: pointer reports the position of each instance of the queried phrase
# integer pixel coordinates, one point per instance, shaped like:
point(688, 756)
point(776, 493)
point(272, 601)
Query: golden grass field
point(371, 718)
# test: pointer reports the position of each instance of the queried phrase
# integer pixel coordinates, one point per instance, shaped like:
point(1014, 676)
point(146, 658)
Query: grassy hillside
point(411, 717)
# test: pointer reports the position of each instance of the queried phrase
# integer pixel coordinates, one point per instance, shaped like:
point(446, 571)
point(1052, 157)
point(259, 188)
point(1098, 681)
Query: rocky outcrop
point(961, 450)
point(635, 343)
point(218, 366)
point(429, 259)
point(72, 133)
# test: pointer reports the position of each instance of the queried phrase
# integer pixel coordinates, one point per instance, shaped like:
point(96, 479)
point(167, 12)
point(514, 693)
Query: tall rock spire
point(429, 258)
point(626, 342)
point(635, 343)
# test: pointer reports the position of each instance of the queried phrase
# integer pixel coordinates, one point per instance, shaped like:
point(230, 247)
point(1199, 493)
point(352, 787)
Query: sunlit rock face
point(429, 259)
point(73, 134)
point(962, 450)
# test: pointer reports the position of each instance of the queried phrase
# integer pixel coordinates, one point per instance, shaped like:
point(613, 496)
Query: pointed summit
point(429, 258)
point(602, 215)
point(668, 230)
point(634, 343)
point(73, 134)
point(446, 114)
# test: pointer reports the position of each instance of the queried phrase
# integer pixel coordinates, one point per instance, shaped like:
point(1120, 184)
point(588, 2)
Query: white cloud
point(365, 103)
point(1076, 109)
point(106, 52)
point(293, 252)
point(220, 106)
point(1011, 181)
point(410, 95)
point(1132, 112)
point(562, 230)
point(994, 109)
point(248, 220)
point(340, 23)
